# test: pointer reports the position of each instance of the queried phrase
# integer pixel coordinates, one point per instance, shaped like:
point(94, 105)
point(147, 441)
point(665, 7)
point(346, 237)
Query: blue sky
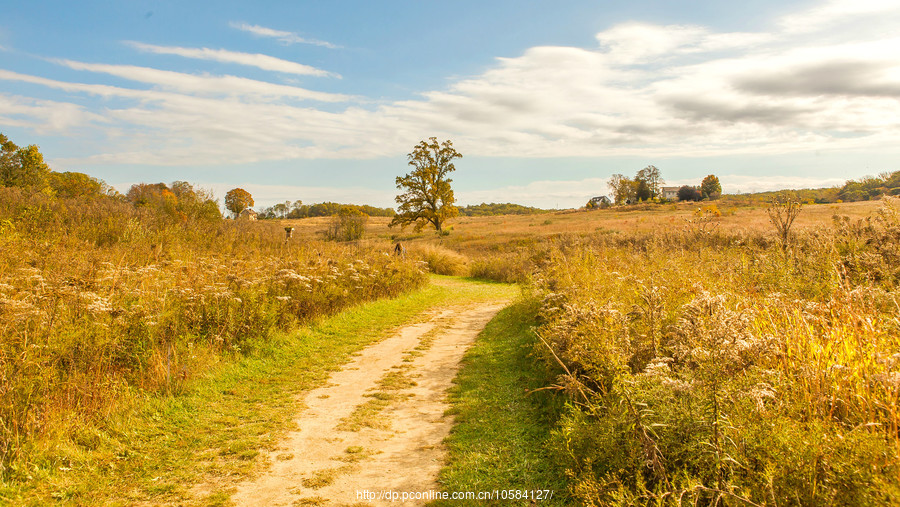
point(323, 100)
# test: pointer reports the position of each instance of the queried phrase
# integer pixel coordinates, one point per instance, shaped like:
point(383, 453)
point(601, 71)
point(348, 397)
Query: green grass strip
point(212, 432)
point(498, 442)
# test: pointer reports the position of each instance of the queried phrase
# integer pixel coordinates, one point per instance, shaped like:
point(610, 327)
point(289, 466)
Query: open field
point(671, 355)
point(474, 233)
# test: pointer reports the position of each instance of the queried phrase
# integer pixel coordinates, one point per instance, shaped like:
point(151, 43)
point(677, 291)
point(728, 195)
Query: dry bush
point(508, 268)
point(440, 260)
point(348, 225)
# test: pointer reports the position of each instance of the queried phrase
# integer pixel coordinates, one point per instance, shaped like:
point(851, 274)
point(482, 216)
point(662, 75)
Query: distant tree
point(623, 189)
point(195, 202)
point(75, 185)
point(653, 179)
point(22, 167)
point(710, 187)
point(642, 191)
point(427, 197)
point(348, 225)
point(237, 200)
point(152, 195)
point(870, 187)
point(689, 193)
point(280, 209)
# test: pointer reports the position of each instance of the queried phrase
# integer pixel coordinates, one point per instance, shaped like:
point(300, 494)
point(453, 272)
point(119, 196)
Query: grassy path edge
point(213, 433)
point(499, 439)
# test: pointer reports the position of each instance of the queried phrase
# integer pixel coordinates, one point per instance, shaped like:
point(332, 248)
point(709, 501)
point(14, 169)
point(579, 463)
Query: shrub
point(440, 260)
point(348, 225)
point(689, 193)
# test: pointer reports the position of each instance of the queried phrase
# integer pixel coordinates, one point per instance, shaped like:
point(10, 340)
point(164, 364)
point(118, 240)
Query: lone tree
point(427, 197)
point(237, 200)
point(710, 187)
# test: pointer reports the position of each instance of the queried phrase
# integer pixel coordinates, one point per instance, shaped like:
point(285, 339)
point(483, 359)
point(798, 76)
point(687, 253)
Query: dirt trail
point(378, 424)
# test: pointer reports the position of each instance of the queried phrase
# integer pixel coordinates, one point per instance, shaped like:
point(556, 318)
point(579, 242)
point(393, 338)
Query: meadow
point(698, 355)
point(676, 354)
point(105, 304)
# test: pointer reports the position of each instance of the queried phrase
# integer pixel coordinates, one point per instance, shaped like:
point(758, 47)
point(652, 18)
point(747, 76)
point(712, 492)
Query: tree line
point(870, 187)
point(297, 209)
point(482, 210)
point(24, 168)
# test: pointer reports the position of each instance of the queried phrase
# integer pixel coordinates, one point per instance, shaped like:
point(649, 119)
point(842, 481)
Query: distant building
point(669, 193)
point(247, 214)
point(601, 201)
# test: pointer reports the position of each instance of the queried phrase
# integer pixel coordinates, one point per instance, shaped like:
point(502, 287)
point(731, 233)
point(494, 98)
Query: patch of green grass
point(499, 440)
point(164, 445)
point(368, 414)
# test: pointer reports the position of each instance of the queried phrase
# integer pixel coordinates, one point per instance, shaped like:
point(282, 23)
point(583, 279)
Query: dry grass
point(711, 366)
point(478, 232)
point(509, 248)
point(440, 260)
point(101, 302)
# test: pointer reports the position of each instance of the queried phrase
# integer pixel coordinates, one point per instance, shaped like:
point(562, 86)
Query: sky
point(323, 100)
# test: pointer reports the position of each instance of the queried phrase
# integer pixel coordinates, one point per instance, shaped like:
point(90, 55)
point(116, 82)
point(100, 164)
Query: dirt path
point(378, 425)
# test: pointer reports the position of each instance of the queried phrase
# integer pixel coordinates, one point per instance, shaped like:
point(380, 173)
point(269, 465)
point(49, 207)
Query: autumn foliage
point(427, 198)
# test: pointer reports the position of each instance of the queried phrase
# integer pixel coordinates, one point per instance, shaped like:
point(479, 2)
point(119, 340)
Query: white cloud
point(547, 194)
point(840, 12)
point(282, 36)
point(204, 84)
point(44, 116)
point(261, 61)
point(646, 90)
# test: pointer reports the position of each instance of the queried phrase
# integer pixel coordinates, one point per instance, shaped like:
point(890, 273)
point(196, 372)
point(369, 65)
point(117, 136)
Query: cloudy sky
point(322, 100)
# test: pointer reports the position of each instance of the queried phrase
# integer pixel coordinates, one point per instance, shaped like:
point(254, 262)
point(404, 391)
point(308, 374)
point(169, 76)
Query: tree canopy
point(237, 200)
point(710, 187)
point(871, 187)
point(689, 193)
point(651, 177)
point(427, 198)
point(22, 167)
point(483, 209)
point(322, 209)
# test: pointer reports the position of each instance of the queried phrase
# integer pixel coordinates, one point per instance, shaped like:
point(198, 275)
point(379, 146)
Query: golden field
point(702, 358)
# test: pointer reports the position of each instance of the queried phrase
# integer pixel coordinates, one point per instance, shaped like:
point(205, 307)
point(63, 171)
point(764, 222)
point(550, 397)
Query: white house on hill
point(669, 193)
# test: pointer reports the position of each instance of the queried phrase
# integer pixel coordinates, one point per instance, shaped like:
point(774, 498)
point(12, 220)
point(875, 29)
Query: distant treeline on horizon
point(481, 210)
point(326, 209)
point(322, 209)
point(863, 189)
